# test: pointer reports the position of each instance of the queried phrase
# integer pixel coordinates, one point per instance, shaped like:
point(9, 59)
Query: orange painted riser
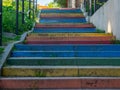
point(64, 25)
point(60, 83)
point(68, 42)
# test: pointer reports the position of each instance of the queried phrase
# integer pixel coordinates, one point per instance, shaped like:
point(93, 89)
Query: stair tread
point(64, 67)
point(64, 58)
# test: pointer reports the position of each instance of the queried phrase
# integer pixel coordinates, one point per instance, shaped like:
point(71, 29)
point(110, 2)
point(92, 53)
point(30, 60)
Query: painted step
point(56, 15)
point(106, 38)
point(64, 30)
point(69, 47)
point(65, 54)
point(64, 61)
point(64, 25)
point(61, 71)
point(69, 34)
point(60, 16)
point(74, 37)
point(61, 11)
point(62, 20)
point(69, 42)
point(53, 83)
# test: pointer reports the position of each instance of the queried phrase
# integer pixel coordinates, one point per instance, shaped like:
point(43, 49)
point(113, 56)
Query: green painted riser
point(73, 62)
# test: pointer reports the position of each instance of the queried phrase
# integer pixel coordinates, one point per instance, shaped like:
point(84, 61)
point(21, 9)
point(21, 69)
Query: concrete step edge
point(63, 67)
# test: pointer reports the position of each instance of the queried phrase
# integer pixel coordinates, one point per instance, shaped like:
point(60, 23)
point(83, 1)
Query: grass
point(1, 50)
point(100, 31)
point(7, 40)
point(116, 41)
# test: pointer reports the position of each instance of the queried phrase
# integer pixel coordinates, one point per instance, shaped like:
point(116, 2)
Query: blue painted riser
point(67, 47)
point(61, 11)
point(63, 30)
point(63, 20)
point(66, 54)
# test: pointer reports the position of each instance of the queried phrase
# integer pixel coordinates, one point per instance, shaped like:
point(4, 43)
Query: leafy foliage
point(53, 5)
point(1, 50)
point(61, 3)
point(9, 17)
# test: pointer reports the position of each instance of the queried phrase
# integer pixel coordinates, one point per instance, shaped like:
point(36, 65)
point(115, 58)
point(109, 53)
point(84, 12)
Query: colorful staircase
point(63, 52)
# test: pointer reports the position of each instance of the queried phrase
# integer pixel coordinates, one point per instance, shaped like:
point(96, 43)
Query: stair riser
point(64, 26)
point(65, 54)
point(67, 47)
point(61, 72)
point(62, 16)
point(64, 62)
point(70, 34)
point(68, 42)
point(60, 83)
point(74, 37)
point(64, 31)
point(61, 11)
point(62, 20)
point(70, 38)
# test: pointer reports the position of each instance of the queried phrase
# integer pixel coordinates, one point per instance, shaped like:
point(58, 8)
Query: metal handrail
point(89, 5)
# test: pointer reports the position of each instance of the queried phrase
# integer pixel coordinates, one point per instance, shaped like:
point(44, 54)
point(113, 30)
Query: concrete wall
point(74, 3)
point(71, 3)
point(108, 18)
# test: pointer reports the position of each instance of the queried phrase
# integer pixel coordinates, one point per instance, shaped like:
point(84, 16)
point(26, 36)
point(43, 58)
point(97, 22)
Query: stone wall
point(108, 18)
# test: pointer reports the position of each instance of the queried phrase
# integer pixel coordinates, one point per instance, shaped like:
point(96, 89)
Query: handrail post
point(17, 16)
point(36, 5)
point(23, 12)
point(94, 5)
point(33, 9)
point(29, 9)
point(0, 22)
point(90, 7)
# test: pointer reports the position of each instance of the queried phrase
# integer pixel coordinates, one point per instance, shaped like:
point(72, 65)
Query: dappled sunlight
point(109, 27)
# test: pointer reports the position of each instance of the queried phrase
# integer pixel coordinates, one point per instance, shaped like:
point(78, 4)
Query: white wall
point(71, 3)
point(108, 18)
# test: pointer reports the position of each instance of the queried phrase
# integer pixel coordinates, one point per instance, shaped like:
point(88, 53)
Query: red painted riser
point(68, 42)
point(64, 25)
point(60, 83)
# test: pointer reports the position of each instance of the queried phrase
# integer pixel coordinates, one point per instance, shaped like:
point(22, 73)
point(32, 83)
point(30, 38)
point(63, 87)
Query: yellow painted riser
point(63, 72)
point(40, 72)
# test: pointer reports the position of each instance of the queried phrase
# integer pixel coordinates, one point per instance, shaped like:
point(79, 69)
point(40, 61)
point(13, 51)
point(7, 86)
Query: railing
point(31, 3)
point(93, 5)
point(0, 22)
point(32, 7)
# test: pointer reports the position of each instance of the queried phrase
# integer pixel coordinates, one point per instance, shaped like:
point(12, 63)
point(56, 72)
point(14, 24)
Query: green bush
point(1, 50)
point(61, 3)
point(9, 17)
